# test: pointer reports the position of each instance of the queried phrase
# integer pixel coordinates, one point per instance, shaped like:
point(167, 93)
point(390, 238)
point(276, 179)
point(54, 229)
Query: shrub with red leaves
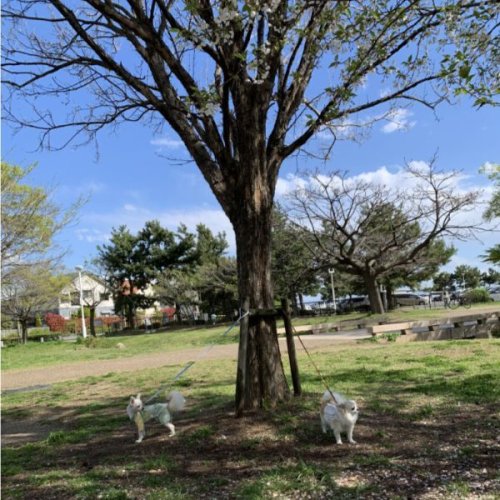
point(55, 322)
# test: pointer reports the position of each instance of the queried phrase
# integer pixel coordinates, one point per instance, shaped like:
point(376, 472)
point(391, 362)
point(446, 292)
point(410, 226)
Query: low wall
point(461, 327)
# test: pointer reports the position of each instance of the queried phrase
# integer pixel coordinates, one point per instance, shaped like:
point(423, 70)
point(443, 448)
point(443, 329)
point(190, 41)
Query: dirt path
point(25, 378)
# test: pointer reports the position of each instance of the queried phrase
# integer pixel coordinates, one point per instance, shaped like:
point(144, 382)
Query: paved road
point(25, 378)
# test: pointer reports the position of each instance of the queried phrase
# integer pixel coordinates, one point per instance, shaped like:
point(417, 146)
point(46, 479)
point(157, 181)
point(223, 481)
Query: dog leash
point(189, 364)
point(314, 365)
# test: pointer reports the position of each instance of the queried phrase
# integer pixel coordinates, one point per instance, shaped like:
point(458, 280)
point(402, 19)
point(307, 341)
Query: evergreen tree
point(133, 263)
point(294, 269)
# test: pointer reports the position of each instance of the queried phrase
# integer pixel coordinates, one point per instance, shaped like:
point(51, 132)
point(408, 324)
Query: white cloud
point(166, 143)
point(91, 235)
point(288, 184)
point(398, 119)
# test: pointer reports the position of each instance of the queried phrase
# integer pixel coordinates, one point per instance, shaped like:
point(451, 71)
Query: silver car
point(410, 299)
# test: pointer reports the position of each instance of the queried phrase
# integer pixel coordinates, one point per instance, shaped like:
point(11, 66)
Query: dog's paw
point(352, 441)
point(138, 441)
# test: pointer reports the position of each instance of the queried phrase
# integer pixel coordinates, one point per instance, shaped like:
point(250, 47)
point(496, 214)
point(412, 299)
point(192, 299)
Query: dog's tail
point(175, 402)
point(334, 397)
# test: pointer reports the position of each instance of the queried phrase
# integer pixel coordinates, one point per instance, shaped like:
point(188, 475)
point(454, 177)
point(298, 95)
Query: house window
point(104, 296)
point(75, 298)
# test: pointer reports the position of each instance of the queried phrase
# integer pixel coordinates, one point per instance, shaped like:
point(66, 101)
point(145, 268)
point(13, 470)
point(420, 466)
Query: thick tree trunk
point(373, 293)
point(260, 377)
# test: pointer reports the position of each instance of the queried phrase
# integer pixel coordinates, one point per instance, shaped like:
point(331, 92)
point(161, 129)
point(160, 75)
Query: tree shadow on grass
point(278, 451)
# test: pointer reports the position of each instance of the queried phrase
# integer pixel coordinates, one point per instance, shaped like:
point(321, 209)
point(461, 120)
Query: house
point(95, 294)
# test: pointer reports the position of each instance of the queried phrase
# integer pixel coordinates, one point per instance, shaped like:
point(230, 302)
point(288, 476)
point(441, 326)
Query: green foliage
point(466, 276)
point(210, 283)
point(493, 211)
point(493, 173)
point(478, 295)
point(32, 290)
point(493, 255)
point(30, 220)
point(294, 269)
point(134, 262)
point(442, 281)
point(491, 276)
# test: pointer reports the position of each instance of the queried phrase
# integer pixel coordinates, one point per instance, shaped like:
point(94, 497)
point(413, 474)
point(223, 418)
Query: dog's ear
point(132, 399)
point(139, 396)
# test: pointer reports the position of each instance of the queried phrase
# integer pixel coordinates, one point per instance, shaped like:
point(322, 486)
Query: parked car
point(410, 299)
point(494, 291)
point(361, 303)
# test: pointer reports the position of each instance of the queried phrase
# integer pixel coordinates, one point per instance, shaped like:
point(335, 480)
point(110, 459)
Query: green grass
point(54, 353)
point(51, 354)
point(277, 453)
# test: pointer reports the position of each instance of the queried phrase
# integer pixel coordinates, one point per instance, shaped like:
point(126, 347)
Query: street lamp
point(332, 272)
point(84, 328)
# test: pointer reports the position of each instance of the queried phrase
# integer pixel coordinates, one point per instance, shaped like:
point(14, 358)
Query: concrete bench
point(460, 327)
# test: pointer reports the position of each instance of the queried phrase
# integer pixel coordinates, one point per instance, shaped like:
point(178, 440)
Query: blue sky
point(131, 177)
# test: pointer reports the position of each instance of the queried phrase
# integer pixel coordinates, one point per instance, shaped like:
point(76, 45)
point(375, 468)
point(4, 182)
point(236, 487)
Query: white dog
point(140, 414)
point(338, 414)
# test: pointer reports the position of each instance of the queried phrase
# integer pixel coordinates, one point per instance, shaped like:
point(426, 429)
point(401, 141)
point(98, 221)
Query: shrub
point(55, 322)
point(478, 295)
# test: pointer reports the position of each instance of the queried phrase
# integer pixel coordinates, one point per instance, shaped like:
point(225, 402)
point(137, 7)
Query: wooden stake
point(292, 356)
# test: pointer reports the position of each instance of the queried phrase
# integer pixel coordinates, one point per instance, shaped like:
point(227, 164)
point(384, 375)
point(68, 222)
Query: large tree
point(373, 231)
point(133, 262)
point(30, 221)
point(245, 85)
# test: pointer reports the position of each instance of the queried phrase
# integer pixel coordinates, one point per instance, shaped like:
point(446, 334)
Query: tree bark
point(260, 376)
point(373, 293)
point(92, 321)
point(24, 331)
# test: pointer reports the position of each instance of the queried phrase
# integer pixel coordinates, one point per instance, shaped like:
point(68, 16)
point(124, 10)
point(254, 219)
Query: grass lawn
point(36, 354)
point(59, 352)
point(428, 428)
